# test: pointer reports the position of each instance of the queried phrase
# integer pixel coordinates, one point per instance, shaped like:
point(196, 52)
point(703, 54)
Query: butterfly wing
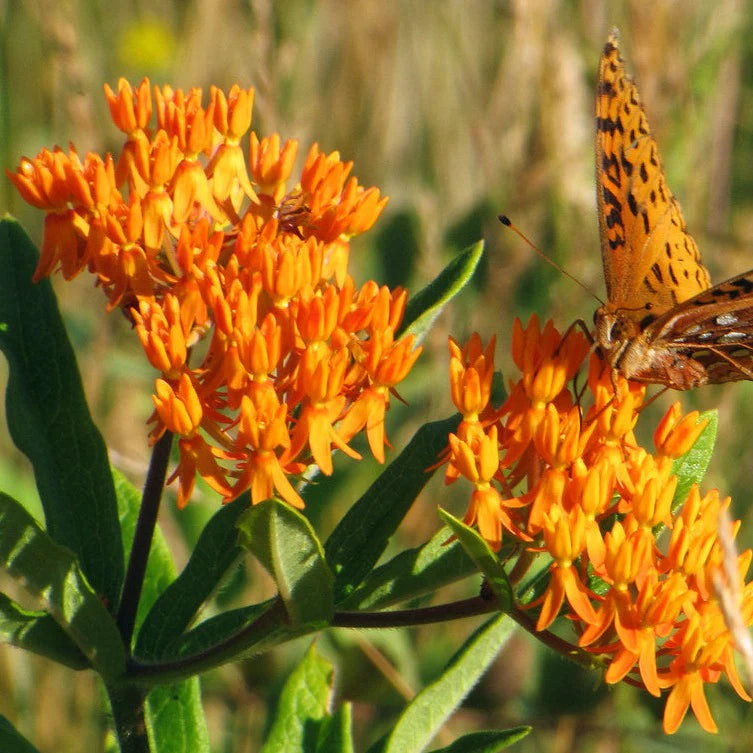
point(714, 329)
point(650, 261)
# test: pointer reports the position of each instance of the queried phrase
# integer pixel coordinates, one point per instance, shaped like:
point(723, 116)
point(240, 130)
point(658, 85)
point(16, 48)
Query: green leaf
point(426, 713)
point(38, 632)
point(213, 630)
point(214, 553)
point(412, 573)
point(336, 732)
point(424, 307)
point(361, 537)
point(49, 420)
point(285, 543)
point(486, 741)
point(692, 466)
point(484, 558)
point(175, 718)
point(12, 741)
point(50, 572)
point(302, 707)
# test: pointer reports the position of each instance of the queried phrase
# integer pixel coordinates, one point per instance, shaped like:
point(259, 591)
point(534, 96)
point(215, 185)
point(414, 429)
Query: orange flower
point(180, 411)
point(320, 378)
point(701, 641)
point(387, 363)
point(638, 624)
point(163, 335)
point(262, 430)
point(270, 166)
point(227, 168)
point(574, 484)
point(193, 241)
point(674, 435)
point(130, 109)
point(471, 373)
point(479, 466)
point(547, 363)
point(565, 539)
point(196, 456)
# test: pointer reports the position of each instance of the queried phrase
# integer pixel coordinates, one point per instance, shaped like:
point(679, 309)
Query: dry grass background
point(458, 110)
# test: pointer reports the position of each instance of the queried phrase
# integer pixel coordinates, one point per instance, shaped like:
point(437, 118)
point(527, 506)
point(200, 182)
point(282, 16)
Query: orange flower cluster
point(195, 243)
point(594, 501)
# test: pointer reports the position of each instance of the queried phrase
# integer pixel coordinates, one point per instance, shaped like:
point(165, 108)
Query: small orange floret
point(674, 435)
point(130, 109)
point(270, 165)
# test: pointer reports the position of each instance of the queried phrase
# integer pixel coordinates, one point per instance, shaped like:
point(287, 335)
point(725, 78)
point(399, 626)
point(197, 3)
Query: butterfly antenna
point(505, 220)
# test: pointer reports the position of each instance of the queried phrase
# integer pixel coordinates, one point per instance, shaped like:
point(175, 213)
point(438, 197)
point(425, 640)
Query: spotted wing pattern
point(650, 260)
point(662, 323)
point(713, 329)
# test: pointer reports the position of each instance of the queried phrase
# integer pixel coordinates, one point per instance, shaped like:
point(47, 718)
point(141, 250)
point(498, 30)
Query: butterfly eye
point(605, 323)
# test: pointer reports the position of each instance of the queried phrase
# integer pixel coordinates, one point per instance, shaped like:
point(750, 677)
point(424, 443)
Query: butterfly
point(663, 323)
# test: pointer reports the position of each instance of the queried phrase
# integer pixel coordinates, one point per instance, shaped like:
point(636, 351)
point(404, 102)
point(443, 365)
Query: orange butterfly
point(662, 322)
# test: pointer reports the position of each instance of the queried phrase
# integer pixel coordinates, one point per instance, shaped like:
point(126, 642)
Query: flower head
point(562, 475)
point(195, 241)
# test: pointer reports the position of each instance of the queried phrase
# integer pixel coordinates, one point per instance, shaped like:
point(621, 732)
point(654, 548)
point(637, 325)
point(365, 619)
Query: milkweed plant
point(233, 270)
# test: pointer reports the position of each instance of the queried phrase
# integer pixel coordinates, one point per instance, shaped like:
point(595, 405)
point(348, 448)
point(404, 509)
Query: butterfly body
point(633, 353)
point(662, 322)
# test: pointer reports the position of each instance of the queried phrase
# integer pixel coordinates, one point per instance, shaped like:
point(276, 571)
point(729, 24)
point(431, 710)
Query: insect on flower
point(662, 322)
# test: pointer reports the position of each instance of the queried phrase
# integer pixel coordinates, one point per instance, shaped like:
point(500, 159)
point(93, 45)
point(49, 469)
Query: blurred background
point(458, 110)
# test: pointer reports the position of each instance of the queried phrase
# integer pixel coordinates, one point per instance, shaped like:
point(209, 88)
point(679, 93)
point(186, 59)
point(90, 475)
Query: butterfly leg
point(653, 397)
point(577, 324)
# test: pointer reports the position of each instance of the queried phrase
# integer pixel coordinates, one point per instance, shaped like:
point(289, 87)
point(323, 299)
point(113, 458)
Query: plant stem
point(409, 617)
point(264, 627)
point(272, 624)
point(142, 538)
point(271, 628)
point(521, 567)
point(559, 645)
point(127, 704)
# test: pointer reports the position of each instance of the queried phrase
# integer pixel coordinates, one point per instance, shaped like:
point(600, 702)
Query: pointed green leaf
point(692, 466)
point(302, 708)
point(286, 545)
point(50, 572)
point(361, 537)
point(426, 713)
point(214, 553)
point(336, 732)
point(213, 630)
point(49, 419)
point(175, 718)
point(39, 633)
point(12, 741)
point(424, 307)
point(486, 741)
point(412, 573)
point(486, 560)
